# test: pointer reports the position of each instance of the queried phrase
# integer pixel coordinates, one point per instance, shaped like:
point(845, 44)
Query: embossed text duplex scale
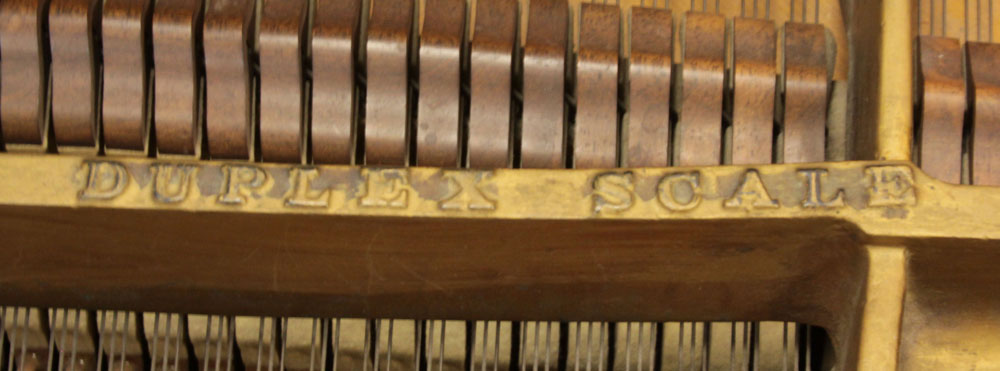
point(323, 185)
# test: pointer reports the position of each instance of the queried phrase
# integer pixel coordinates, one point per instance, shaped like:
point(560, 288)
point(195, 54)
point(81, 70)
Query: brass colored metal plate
point(891, 199)
point(334, 241)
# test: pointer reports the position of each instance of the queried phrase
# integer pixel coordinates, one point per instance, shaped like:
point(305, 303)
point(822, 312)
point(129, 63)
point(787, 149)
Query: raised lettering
point(613, 192)
point(814, 190)
point(751, 194)
point(385, 188)
point(680, 192)
point(302, 194)
point(105, 180)
point(171, 182)
point(236, 179)
point(467, 191)
point(890, 185)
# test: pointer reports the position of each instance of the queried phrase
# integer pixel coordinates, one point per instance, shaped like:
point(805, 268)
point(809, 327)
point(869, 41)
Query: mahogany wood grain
point(698, 140)
point(74, 73)
point(943, 104)
point(387, 103)
point(468, 268)
point(334, 102)
point(648, 134)
point(23, 73)
point(754, 83)
point(229, 35)
point(595, 137)
point(806, 86)
point(177, 84)
point(282, 116)
point(543, 117)
point(438, 109)
point(490, 83)
point(124, 29)
point(985, 85)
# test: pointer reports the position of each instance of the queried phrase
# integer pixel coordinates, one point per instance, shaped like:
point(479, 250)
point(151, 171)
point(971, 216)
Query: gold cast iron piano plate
point(884, 199)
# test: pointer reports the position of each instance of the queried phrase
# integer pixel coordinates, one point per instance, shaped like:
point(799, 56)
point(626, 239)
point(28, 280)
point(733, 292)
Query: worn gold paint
point(889, 203)
point(895, 94)
point(884, 199)
point(883, 308)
